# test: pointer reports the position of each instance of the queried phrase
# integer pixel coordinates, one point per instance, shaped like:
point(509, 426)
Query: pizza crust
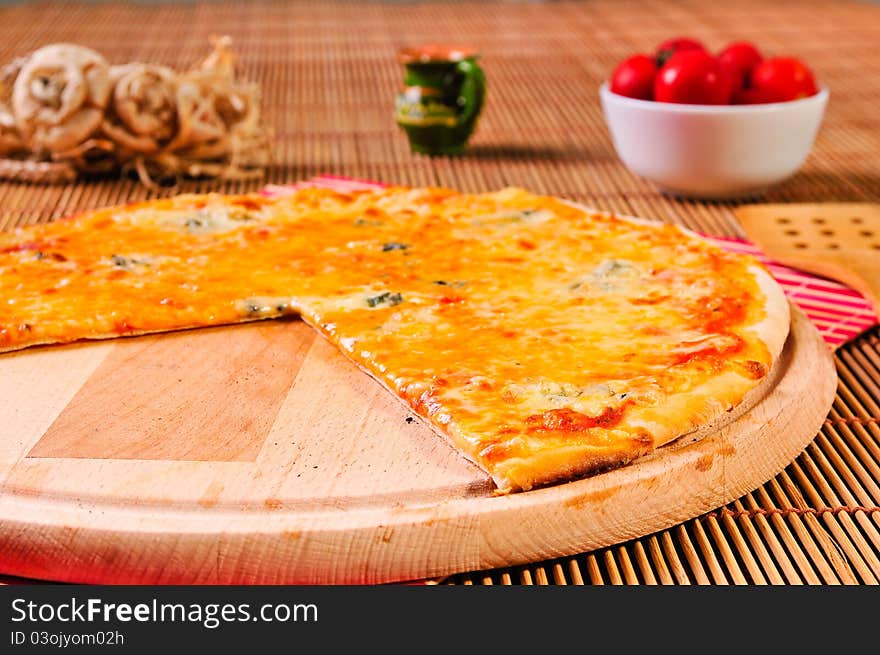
point(773, 330)
point(546, 458)
point(720, 406)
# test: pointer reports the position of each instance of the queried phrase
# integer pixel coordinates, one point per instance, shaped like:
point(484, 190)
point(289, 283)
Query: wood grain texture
point(357, 493)
point(328, 90)
point(840, 241)
point(209, 394)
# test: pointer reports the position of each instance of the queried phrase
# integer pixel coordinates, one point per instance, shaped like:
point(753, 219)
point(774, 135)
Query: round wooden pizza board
point(259, 454)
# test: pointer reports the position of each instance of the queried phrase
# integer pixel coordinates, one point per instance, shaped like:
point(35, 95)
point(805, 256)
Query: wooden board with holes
point(840, 241)
point(258, 454)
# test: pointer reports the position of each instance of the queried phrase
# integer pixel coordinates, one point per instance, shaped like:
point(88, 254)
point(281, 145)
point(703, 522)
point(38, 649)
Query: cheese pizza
point(544, 340)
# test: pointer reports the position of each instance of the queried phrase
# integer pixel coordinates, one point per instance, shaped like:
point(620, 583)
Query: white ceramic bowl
point(713, 151)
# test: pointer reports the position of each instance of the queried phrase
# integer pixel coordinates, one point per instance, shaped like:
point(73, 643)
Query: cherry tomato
point(780, 79)
point(693, 77)
point(634, 77)
point(748, 97)
point(670, 46)
point(740, 59)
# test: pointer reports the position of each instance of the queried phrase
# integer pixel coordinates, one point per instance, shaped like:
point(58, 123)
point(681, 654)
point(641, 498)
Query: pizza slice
point(545, 341)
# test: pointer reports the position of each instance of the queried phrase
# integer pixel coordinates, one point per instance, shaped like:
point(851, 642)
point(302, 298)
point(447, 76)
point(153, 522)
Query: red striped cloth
point(840, 313)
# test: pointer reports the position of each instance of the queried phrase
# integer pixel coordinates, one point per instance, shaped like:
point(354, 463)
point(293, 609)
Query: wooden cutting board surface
point(259, 454)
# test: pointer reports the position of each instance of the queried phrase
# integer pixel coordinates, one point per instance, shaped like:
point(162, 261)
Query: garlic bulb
point(11, 141)
point(64, 104)
point(142, 114)
point(59, 96)
point(220, 130)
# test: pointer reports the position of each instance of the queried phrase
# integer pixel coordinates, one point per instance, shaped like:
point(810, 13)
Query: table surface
point(329, 78)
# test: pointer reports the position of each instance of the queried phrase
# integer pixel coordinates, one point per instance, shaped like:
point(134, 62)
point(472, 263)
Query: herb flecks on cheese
point(517, 324)
point(130, 262)
point(265, 307)
point(385, 299)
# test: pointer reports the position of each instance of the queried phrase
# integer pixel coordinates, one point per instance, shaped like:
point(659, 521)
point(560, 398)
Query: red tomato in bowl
point(780, 79)
point(670, 46)
point(634, 77)
point(693, 77)
point(740, 59)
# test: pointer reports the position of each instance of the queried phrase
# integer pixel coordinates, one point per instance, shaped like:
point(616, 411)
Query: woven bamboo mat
point(329, 78)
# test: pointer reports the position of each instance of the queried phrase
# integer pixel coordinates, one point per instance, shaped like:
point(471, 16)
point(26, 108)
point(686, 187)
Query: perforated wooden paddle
point(840, 241)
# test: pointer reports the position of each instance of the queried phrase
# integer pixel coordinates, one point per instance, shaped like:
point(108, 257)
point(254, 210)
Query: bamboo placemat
point(329, 77)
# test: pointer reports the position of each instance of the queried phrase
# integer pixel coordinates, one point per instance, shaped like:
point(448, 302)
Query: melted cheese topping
point(543, 340)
